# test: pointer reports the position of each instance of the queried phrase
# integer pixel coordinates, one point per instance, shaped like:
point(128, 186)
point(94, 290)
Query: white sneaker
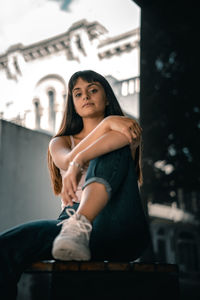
point(72, 243)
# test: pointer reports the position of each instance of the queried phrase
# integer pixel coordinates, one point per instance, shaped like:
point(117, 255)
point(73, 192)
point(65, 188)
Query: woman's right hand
point(127, 126)
point(70, 181)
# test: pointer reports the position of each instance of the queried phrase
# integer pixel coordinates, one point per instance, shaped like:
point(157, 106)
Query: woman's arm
point(110, 141)
point(60, 149)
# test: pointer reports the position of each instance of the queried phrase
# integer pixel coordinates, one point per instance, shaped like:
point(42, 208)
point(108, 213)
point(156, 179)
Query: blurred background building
point(34, 78)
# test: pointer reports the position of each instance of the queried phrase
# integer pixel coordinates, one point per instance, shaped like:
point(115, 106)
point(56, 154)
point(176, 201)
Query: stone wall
point(25, 189)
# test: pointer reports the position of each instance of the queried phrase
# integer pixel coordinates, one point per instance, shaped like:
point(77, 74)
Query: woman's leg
point(22, 245)
point(102, 177)
point(93, 200)
point(111, 200)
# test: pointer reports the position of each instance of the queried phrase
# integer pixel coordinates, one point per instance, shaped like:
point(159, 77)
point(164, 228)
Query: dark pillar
point(169, 105)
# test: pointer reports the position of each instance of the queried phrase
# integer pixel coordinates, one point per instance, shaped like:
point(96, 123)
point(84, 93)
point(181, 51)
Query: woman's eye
point(93, 91)
point(78, 95)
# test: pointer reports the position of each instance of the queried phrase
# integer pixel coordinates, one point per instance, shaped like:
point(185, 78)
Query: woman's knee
point(109, 169)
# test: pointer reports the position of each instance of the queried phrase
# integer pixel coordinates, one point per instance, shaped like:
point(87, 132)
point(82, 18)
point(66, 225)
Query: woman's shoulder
point(60, 141)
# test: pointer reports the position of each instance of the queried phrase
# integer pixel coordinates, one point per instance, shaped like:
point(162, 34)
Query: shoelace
point(80, 225)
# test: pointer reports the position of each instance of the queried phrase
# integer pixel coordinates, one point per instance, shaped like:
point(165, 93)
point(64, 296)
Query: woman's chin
point(92, 114)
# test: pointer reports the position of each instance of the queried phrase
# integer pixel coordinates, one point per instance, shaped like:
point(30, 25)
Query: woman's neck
point(89, 124)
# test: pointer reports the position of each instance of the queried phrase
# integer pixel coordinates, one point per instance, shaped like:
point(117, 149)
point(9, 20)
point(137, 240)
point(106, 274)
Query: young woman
point(95, 166)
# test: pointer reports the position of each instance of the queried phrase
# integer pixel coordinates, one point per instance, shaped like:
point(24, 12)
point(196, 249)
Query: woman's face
point(89, 98)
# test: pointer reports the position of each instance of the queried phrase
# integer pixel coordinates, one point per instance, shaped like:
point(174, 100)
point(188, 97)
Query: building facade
point(175, 235)
point(34, 78)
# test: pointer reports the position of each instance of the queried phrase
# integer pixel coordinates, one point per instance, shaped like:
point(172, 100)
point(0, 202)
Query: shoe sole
point(69, 251)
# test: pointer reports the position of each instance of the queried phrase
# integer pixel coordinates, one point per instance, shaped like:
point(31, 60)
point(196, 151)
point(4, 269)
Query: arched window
point(161, 245)
point(37, 113)
point(187, 252)
point(131, 86)
point(124, 88)
point(161, 231)
point(137, 85)
point(52, 114)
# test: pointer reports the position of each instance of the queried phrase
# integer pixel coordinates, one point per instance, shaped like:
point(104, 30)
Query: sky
point(29, 21)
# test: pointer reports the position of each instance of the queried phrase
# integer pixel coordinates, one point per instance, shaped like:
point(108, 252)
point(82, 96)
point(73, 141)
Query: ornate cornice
point(123, 36)
point(121, 43)
point(54, 44)
point(106, 48)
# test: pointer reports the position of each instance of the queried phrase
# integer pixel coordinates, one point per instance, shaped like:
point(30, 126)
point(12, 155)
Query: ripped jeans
point(120, 231)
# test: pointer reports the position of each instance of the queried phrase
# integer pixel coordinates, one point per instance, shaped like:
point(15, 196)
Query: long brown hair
point(72, 123)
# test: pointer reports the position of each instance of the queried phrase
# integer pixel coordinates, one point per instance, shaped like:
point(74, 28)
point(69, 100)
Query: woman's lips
point(88, 104)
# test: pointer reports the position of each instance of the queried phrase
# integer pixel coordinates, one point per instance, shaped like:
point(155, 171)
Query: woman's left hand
point(70, 182)
point(127, 126)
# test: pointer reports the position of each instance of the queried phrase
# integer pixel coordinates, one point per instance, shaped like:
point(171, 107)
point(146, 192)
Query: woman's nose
point(85, 97)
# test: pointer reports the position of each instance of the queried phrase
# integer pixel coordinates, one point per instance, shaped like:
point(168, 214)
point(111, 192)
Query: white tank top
point(81, 182)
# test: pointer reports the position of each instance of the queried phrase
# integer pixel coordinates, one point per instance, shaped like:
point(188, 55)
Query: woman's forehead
point(80, 82)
